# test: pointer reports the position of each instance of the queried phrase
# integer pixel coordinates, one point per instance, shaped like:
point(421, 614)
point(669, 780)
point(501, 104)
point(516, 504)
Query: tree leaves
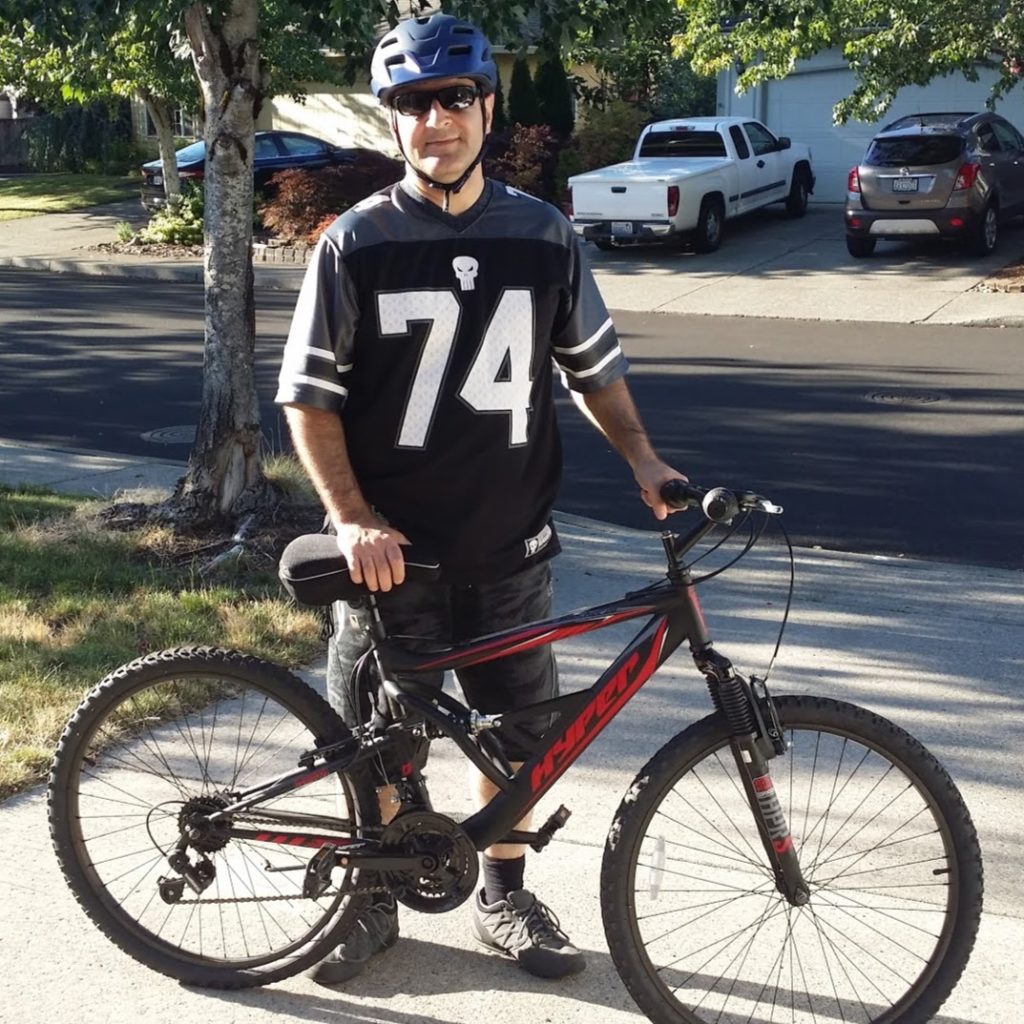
point(888, 45)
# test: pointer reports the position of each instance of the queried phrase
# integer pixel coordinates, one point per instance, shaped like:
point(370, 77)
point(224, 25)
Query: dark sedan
point(274, 151)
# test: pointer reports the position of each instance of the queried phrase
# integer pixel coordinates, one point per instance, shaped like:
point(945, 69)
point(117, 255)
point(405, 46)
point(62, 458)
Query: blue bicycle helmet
point(438, 46)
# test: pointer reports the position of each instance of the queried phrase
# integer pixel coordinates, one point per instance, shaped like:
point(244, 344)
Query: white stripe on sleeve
point(591, 341)
point(598, 367)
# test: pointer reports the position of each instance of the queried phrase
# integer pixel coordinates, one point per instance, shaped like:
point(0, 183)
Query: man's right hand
point(373, 552)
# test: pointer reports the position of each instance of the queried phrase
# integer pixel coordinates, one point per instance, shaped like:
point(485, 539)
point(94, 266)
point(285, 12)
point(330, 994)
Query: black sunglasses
point(451, 97)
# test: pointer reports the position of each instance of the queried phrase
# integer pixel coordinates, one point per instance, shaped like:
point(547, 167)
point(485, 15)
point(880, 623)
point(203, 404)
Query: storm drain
point(900, 396)
point(170, 435)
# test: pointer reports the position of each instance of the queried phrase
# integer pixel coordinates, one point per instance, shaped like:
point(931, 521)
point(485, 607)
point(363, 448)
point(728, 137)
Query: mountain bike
point(785, 858)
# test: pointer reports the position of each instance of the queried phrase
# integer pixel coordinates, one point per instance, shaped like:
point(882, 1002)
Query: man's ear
point(488, 112)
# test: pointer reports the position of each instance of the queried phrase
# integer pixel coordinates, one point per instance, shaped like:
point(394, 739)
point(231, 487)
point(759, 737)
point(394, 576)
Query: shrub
point(554, 96)
point(606, 137)
point(302, 200)
point(523, 105)
point(180, 222)
point(528, 161)
point(325, 223)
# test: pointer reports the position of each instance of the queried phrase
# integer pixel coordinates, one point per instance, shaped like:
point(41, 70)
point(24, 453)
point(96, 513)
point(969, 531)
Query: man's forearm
point(612, 411)
point(319, 440)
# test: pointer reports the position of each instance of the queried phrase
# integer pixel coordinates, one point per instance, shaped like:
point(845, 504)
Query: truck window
point(761, 139)
point(742, 149)
point(682, 143)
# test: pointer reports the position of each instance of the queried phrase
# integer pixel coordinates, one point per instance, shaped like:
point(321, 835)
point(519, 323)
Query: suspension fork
point(755, 738)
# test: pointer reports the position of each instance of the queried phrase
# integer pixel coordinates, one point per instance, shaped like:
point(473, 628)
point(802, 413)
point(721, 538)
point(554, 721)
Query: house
point(800, 106)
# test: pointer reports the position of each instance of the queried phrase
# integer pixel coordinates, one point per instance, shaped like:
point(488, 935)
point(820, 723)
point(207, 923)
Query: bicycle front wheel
point(183, 733)
point(694, 921)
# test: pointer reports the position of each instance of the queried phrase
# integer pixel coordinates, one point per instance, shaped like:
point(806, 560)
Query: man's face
point(442, 143)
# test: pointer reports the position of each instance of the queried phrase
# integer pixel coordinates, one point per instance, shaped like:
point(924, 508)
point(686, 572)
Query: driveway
point(771, 266)
point(768, 266)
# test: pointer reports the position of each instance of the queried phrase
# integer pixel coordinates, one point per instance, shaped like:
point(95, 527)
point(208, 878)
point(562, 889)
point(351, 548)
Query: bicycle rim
point(884, 842)
point(174, 733)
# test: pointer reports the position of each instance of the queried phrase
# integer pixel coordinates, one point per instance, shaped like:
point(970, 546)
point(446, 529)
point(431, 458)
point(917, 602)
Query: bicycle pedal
point(550, 827)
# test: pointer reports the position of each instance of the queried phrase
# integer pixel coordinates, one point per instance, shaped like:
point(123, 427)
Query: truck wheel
point(859, 247)
point(796, 201)
point(707, 236)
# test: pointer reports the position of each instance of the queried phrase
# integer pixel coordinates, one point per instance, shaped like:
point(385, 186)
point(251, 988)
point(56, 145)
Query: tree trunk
point(162, 116)
point(224, 476)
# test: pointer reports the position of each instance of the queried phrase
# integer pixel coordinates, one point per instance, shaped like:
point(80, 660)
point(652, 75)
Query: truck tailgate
point(633, 190)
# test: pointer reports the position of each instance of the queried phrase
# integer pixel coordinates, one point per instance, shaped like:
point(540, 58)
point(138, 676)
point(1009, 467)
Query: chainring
point(449, 868)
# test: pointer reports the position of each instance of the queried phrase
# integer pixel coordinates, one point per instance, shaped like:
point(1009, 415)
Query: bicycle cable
point(789, 603)
point(752, 540)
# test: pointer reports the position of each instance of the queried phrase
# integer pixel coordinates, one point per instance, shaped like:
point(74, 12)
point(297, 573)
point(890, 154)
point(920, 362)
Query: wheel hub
point(204, 835)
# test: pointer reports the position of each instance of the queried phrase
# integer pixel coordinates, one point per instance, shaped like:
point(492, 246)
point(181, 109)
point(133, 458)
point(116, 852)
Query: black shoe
point(521, 927)
point(372, 932)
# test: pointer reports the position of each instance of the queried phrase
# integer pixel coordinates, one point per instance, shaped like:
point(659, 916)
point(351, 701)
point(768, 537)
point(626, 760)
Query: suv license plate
point(622, 227)
point(904, 184)
point(158, 179)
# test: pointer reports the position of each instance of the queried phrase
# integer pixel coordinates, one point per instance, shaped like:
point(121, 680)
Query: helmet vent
point(395, 60)
point(465, 30)
point(390, 41)
point(459, 51)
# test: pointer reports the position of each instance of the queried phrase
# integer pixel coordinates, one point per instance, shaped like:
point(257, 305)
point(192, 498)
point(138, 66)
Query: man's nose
point(437, 114)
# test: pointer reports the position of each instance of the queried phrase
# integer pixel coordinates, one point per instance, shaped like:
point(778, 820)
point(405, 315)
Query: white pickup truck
point(687, 177)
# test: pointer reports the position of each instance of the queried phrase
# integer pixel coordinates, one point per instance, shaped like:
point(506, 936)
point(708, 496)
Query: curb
point(276, 278)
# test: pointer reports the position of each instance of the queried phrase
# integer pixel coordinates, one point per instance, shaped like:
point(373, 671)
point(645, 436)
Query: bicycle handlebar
point(719, 504)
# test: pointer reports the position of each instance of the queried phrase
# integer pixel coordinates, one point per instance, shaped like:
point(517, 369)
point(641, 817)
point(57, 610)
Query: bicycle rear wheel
point(696, 926)
point(181, 732)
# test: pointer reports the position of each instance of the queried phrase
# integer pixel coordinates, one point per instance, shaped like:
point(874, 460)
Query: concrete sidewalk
point(936, 647)
point(768, 266)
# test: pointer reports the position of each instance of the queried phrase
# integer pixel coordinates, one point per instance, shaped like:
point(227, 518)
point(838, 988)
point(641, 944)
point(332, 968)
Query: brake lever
point(748, 499)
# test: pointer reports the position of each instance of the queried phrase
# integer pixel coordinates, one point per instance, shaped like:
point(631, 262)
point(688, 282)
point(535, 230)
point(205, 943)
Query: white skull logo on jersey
point(465, 268)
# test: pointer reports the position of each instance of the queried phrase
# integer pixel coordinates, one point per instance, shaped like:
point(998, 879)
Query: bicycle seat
point(314, 572)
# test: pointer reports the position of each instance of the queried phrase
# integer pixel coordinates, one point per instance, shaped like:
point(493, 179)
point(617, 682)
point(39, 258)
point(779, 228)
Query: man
point(417, 386)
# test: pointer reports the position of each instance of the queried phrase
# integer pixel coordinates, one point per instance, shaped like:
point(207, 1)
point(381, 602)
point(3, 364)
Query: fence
point(13, 146)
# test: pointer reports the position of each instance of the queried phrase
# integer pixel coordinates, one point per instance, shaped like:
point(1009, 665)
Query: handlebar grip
point(680, 494)
point(719, 504)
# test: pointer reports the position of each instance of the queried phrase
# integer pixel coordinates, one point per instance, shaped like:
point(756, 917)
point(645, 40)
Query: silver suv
point(950, 175)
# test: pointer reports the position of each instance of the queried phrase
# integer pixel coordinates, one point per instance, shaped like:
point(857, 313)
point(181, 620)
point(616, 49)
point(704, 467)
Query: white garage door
point(800, 106)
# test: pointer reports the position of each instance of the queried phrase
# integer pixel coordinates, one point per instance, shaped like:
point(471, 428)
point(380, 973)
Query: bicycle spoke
point(876, 861)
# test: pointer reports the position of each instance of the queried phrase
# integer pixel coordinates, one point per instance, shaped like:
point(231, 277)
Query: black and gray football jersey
point(434, 339)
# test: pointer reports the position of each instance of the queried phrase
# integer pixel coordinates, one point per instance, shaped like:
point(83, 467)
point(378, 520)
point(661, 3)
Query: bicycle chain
point(253, 819)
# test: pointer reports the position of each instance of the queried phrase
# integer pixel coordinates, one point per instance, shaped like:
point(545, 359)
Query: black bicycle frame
point(675, 617)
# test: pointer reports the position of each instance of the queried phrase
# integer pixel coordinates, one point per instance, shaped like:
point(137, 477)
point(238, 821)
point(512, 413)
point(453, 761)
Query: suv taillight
point(673, 200)
point(853, 180)
point(966, 177)
point(567, 205)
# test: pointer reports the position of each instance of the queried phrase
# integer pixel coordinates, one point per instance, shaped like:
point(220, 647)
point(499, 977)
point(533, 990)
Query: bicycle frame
point(675, 617)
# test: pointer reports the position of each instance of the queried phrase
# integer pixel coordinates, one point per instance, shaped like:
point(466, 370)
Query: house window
point(184, 125)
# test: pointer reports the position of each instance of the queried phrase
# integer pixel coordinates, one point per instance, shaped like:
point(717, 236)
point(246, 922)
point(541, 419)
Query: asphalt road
point(877, 438)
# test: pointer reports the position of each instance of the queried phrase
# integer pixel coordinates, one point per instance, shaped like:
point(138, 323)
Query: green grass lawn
point(78, 600)
point(28, 195)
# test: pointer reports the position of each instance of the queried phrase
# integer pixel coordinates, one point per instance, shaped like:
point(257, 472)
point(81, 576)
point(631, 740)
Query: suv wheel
point(859, 247)
point(796, 201)
point(986, 234)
